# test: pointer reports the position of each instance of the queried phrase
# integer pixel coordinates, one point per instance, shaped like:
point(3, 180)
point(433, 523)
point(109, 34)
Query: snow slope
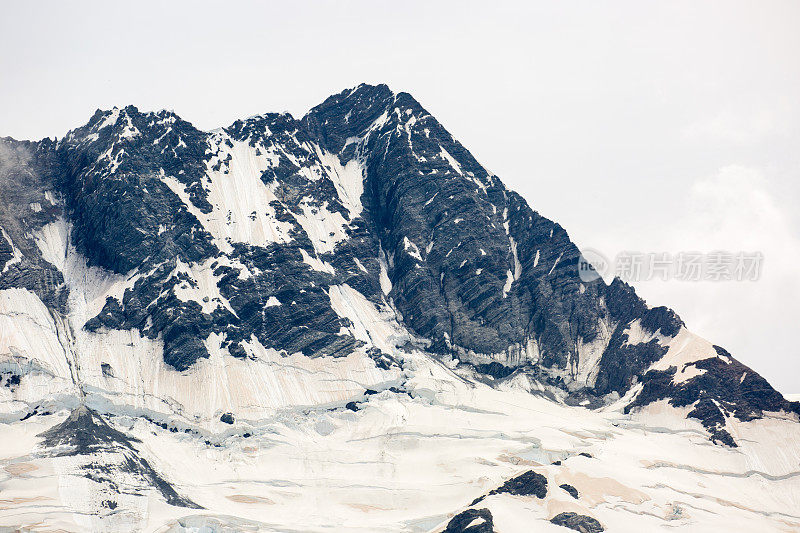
point(407, 459)
point(345, 323)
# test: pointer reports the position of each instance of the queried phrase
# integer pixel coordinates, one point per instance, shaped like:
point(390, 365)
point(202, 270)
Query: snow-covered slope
point(345, 323)
point(411, 458)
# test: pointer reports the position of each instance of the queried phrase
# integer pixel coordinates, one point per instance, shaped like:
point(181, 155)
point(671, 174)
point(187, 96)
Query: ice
point(109, 119)
point(508, 284)
point(30, 346)
point(206, 292)
point(555, 263)
point(88, 286)
point(316, 263)
point(166, 132)
point(241, 201)
point(411, 248)
point(16, 255)
point(402, 462)
point(386, 283)
point(450, 160)
point(684, 349)
point(360, 266)
point(129, 131)
point(517, 264)
point(326, 229)
point(348, 180)
point(376, 327)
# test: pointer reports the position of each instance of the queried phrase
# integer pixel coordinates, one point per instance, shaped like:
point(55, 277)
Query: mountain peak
point(367, 190)
point(332, 295)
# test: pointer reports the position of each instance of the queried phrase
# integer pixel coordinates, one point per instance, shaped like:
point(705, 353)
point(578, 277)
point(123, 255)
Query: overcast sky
point(643, 126)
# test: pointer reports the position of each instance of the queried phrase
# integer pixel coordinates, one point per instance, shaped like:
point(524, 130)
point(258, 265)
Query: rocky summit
point(344, 322)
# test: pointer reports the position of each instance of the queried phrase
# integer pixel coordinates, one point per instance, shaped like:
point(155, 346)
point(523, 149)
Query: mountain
point(345, 321)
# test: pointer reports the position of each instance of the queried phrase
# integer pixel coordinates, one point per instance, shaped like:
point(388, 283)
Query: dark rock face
point(114, 195)
point(367, 190)
point(10, 379)
point(155, 232)
point(621, 362)
point(725, 388)
point(471, 521)
point(527, 484)
point(25, 179)
point(570, 489)
point(469, 260)
point(584, 524)
point(85, 433)
point(494, 369)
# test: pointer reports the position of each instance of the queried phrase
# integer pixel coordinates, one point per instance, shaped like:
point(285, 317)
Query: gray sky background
point(670, 126)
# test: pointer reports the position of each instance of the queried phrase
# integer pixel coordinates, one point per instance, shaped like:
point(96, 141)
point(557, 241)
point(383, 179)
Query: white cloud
point(734, 210)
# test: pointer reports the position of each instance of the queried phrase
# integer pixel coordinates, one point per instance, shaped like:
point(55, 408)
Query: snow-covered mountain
point(345, 323)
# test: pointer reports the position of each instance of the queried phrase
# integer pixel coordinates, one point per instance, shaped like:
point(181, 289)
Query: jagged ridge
point(242, 233)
